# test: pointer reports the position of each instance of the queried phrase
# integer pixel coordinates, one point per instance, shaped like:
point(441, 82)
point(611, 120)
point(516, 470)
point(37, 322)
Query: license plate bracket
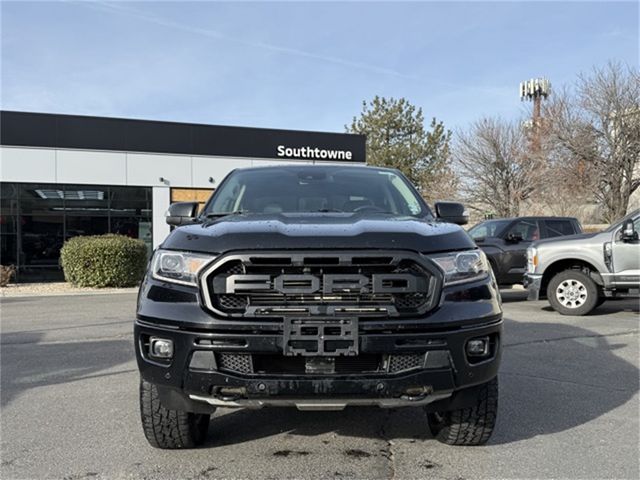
point(320, 337)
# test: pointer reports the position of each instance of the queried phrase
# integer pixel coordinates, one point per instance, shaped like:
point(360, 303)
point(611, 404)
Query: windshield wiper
point(329, 210)
point(224, 214)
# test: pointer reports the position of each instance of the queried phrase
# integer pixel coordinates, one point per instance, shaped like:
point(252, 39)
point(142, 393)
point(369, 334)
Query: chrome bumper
point(314, 404)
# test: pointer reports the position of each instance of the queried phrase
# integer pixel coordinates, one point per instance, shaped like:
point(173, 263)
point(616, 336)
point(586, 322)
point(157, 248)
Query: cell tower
point(535, 90)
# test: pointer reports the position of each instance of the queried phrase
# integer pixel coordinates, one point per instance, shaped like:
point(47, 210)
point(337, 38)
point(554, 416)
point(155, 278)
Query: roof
point(50, 130)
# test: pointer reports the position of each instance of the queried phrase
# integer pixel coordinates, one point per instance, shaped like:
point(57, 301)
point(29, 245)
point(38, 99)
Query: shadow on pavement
point(27, 364)
point(547, 385)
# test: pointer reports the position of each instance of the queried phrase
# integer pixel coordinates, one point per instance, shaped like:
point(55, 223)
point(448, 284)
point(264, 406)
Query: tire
point(169, 429)
point(572, 292)
point(468, 426)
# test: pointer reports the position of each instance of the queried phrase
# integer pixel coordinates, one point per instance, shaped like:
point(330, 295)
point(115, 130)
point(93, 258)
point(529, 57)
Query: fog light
point(478, 347)
point(160, 347)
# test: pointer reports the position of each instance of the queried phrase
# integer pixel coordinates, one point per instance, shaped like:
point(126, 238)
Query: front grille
point(334, 284)
point(269, 364)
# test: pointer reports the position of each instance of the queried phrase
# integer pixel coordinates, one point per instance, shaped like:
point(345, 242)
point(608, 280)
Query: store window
point(36, 219)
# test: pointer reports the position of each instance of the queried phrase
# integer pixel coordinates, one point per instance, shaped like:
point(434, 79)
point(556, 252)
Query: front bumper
point(190, 381)
point(532, 282)
point(464, 312)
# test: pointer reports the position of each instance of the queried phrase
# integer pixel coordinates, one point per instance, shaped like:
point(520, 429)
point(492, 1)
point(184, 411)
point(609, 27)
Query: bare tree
point(567, 189)
point(442, 184)
point(597, 130)
point(497, 168)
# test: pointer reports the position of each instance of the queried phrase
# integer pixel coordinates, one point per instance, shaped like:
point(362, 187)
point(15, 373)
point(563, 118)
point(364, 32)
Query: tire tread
point(472, 425)
point(166, 428)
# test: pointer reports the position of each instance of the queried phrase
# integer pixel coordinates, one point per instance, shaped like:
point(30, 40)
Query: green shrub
point(103, 261)
point(6, 272)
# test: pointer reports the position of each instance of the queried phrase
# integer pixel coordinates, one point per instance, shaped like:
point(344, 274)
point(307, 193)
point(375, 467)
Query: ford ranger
point(317, 287)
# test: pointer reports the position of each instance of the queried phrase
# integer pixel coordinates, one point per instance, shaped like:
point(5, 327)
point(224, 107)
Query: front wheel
point(572, 292)
point(468, 426)
point(166, 428)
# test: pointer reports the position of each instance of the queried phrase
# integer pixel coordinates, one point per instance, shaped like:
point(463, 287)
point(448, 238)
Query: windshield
point(490, 228)
point(315, 189)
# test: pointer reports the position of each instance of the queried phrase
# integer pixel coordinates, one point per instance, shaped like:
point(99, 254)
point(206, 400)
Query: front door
point(515, 258)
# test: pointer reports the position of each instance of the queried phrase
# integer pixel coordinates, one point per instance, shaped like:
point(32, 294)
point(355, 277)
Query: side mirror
point(182, 213)
point(452, 212)
point(629, 233)
point(515, 237)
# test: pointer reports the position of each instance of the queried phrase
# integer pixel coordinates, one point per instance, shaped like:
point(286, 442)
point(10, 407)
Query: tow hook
point(229, 394)
point(415, 394)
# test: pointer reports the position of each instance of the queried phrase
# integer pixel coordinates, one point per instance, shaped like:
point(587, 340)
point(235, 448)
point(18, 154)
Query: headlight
point(532, 259)
point(461, 267)
point(178, 267)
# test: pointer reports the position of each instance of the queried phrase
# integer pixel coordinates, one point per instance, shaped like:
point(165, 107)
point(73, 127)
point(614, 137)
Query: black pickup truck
point(317, 287)
point(505, 242)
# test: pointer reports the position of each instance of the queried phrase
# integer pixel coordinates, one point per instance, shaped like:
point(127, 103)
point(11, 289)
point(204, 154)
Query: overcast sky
point(299, 65)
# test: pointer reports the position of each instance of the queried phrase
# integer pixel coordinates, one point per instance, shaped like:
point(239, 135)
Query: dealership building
point(67, 175)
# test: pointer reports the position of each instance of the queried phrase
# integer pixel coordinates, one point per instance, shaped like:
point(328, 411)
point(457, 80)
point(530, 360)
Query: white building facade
point(66, 175)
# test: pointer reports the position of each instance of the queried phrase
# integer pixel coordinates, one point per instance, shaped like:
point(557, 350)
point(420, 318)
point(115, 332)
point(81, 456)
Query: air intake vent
point(404, 362)
point(235, 362)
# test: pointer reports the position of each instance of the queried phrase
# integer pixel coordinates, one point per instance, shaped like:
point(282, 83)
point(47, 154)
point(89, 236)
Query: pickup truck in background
point(580, 272)
point(505, 242)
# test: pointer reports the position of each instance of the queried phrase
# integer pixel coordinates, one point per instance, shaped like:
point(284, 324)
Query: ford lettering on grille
point(290, 284)
point(333, 284)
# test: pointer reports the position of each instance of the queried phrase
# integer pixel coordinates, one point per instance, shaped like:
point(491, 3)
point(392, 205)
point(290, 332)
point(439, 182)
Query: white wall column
point(161, 201)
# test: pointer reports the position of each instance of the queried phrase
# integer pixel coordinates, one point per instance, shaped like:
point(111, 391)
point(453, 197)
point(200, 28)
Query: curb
point(3, 295)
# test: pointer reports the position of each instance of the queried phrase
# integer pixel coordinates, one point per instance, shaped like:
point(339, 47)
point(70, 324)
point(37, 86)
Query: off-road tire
point(170, 429)
point(591, 291)
point(468, 426)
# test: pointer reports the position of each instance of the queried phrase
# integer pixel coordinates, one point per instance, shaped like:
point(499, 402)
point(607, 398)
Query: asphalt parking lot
point(568, 406)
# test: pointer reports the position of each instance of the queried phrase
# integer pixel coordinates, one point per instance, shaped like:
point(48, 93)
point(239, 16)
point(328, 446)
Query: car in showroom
point(578, 273)
point(318, 287)
point(505, 242)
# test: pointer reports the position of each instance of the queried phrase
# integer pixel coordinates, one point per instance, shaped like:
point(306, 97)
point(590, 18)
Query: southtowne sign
point(47, 130)
point(314, 153)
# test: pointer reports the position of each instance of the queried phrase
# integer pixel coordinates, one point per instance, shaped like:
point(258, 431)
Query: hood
point(318, 231)
point(564, 239)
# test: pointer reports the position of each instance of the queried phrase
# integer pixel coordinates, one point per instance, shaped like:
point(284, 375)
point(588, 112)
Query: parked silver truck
point(578, 273)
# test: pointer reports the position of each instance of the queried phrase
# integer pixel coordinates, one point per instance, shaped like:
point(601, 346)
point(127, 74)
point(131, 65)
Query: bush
point(5, 274)
point(103, 261)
